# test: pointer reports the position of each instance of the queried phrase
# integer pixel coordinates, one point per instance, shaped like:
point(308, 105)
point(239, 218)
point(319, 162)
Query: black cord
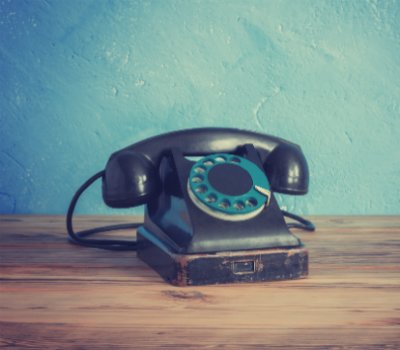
point(112, 244)
point(77, 237)
point(301, 223)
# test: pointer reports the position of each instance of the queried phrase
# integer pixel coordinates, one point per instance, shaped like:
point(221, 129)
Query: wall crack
point(260, 104)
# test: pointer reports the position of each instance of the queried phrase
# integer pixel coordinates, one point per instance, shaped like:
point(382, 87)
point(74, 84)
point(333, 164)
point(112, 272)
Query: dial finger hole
point(235, 160)
point(199, 170)
point(197, 179)
point(201, 189)
point(211, 198)
point(251, 202)
point(238, 205)
point(220, 159)
point(224, 204)
point(208, 162)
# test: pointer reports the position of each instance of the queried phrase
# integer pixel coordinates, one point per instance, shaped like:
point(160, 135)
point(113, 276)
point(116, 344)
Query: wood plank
point(57, 295)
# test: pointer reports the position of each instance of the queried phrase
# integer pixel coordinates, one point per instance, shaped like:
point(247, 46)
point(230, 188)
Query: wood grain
point(55, 295)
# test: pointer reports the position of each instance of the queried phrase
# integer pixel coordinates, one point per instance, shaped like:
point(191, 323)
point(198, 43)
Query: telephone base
point(222, 267)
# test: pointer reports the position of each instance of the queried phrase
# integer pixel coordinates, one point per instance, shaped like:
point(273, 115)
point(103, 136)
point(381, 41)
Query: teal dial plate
point(217, 199)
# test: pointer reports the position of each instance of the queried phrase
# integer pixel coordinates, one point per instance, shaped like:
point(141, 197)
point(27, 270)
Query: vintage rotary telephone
point(212, 219)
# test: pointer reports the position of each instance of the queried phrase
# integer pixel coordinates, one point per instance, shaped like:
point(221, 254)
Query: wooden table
point(55, 295)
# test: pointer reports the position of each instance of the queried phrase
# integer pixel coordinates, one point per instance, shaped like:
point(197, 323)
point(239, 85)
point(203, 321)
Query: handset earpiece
point(287, 170)
point(130, 179)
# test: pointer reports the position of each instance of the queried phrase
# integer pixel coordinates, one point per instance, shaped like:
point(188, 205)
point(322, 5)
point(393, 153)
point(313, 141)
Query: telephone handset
point(209, 204)
point(131, 174)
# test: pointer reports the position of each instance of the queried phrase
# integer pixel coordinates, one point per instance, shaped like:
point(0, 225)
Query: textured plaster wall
point(80, 79)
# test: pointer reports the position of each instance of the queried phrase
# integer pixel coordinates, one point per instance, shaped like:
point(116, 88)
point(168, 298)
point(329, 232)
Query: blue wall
point(81, 79)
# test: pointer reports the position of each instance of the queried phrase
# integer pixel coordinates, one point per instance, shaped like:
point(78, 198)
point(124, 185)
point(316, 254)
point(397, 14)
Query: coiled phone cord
point(113, 244)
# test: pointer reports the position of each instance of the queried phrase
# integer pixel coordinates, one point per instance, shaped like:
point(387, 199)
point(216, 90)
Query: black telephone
point(211, 215)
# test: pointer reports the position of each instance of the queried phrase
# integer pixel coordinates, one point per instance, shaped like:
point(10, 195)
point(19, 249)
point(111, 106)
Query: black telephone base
point(222, 267)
